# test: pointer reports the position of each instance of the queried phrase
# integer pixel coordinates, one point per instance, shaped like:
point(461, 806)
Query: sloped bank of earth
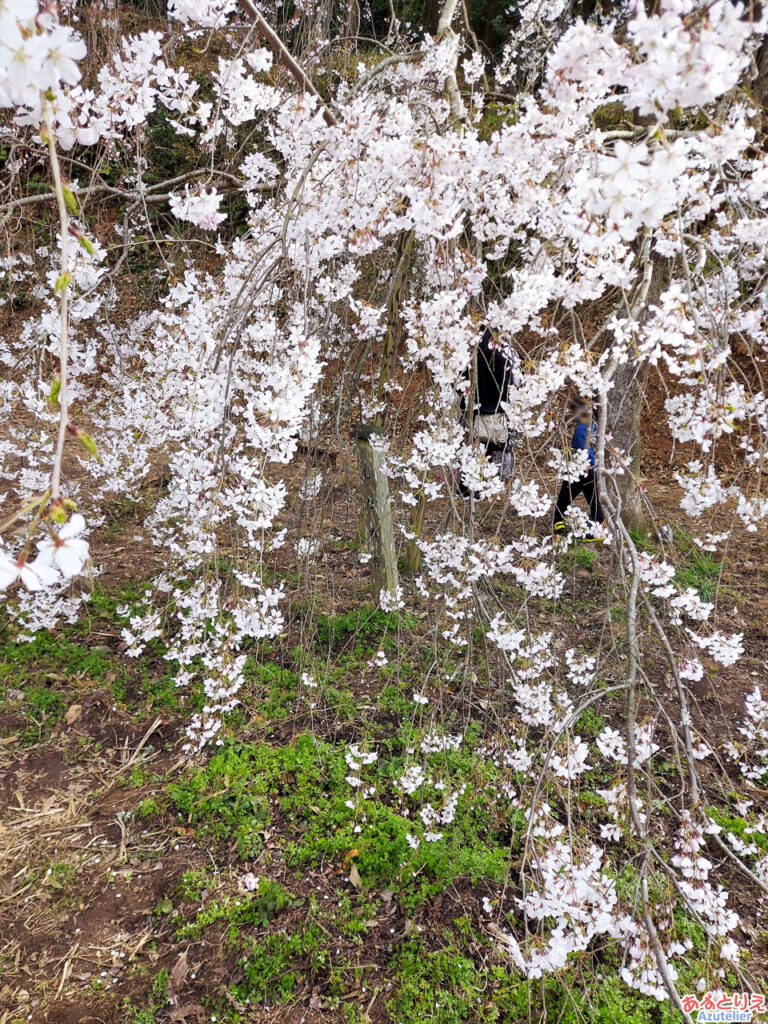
point(141, 885)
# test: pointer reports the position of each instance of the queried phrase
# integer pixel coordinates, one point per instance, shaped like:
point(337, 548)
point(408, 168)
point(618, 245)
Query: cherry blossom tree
point(611, 225)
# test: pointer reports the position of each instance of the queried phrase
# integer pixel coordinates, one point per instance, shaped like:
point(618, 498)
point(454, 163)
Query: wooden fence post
point(377, 516)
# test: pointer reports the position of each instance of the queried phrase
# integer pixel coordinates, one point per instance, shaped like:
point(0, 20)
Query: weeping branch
point(286, 58)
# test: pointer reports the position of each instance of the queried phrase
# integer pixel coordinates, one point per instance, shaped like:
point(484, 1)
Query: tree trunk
point(396, 289)
point(377, 508)
point(760, 87)
point(624, 415)
point(625, 410)
point(413, 551)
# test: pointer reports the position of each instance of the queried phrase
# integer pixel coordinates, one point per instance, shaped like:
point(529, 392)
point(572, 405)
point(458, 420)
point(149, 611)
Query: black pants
point(585, 485)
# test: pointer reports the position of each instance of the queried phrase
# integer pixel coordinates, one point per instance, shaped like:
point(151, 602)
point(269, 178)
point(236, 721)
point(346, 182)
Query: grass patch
point(367, 627)
point(279, 684)
point(701, 571)
point(234, 913)
point(738, 825)
point(585, 558)
point(246, 787)
point(441, 987)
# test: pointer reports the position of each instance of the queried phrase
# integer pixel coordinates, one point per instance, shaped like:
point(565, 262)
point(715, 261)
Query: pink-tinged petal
point(73, 528)
point(24, 10)
point(30, 579)
point(46, 551)
point(71, 557)
point(43, 570)
point(9, 571)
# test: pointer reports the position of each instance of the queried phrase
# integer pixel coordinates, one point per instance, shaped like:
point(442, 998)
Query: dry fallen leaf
point(354, 876)
point(178, 974)
point(187, 1010)
point(73, 713)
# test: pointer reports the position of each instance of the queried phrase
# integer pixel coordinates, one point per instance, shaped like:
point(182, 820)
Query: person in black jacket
point(497, 370)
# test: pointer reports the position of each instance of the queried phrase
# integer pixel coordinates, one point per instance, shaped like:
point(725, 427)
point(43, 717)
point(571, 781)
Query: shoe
point(559, 528)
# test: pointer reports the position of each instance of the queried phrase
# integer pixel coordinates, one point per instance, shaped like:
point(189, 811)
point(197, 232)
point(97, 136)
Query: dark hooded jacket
point(496, 371)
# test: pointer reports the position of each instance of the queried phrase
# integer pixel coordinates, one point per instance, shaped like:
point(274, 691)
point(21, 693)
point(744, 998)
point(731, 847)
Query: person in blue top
point(586, 484)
